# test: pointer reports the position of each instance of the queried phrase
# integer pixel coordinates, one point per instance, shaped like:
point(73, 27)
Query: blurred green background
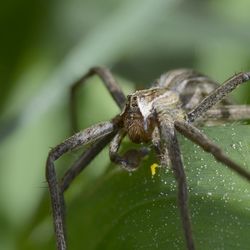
point(46, 45)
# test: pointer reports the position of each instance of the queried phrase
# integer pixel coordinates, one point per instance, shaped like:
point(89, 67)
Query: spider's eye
point(134, 105)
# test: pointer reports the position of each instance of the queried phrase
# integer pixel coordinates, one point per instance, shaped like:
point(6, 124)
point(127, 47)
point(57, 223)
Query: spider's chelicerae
point(175, 102)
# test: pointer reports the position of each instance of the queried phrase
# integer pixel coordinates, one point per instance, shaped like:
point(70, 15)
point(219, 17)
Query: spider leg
point(204, 142)
point(109, 82)
point(168, 135)
point(131, 159)
point(228, 113)
point(218, 94)
point(89, 154)
point(81, 138)
point(82, 162)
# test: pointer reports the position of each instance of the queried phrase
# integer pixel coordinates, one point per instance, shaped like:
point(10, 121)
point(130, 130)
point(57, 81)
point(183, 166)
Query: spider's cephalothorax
point(178, 100)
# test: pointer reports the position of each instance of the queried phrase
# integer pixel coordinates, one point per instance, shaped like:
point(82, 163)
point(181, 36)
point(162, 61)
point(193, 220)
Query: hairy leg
point(84, 137)
point(90, 153)
point(83, 161)
point(217, 95)
point(109, 82)
point(168, 135)
point(227, 113)
point(204, 142)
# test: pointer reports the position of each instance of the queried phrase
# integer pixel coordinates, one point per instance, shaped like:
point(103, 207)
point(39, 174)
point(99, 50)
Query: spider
point(177, 101)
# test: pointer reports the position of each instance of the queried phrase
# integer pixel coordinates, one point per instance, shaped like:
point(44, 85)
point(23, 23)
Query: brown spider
point(174, 103)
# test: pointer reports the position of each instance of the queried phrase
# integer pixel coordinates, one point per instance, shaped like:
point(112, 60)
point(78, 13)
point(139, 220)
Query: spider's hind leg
point(110, 83)
point(227, 113)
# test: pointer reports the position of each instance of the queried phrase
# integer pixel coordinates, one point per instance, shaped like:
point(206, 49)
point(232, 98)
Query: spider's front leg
point(110, 83)
point(131, 159)
point(87, 156)
point(170, 145)
point(169, 139)
point(82, 162)
point(227, 113)
point(91, 134)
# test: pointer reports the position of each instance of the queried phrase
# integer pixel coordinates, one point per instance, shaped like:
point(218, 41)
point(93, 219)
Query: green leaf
point(135, 211)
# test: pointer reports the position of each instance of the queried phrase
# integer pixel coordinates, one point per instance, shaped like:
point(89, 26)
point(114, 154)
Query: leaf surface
point(135, 211)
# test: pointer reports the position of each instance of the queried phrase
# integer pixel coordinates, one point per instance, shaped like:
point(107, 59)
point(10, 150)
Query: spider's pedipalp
point(217, 95)
point(131, 159)
point(204, 142)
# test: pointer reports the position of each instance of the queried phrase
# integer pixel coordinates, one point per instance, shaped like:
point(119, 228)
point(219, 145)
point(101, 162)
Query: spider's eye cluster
point(133, 101)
